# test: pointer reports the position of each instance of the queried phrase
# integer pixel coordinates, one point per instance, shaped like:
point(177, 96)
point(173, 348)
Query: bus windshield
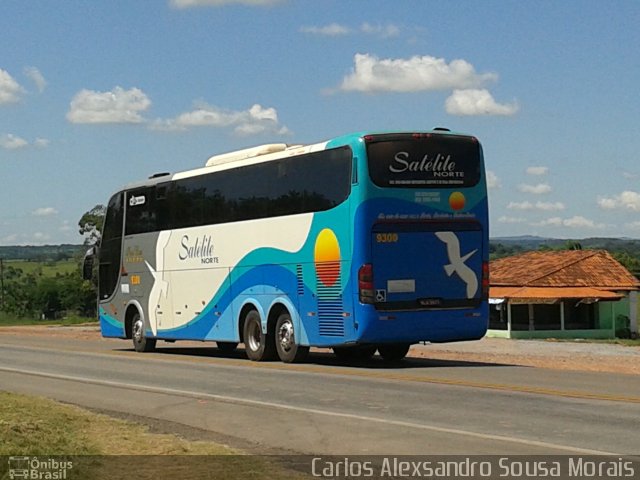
point(423, 160)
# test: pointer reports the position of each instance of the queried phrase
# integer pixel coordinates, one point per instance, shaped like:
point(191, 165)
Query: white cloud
point(505, 219)
point(538, 189)
point(549, 206)
point(10, 90)
point(626, 200)
point(12, 142)
point(537, 171)
point(383, 31)
point(337, 30)
point(44, 212)
point(220, 3)
point(255, 120)
point(577, 221)
point(544, 206)
point(36, 77)
point(633, 225)
point(549, 222)
point(40, 237)
point(9, 239)
point(471, 102)
point(331, 30)
point(630, 175)
point(115, 106)
point(493, 181)
point(371, 74)
point(520, 206)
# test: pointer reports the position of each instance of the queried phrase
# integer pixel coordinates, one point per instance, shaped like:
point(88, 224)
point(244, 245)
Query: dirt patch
point(578, 355)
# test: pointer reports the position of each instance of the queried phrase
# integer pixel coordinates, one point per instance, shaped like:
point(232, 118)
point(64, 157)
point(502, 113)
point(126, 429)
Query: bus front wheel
point(286, 345)
point(258, 345)
point(394, 351)
point(141, 342)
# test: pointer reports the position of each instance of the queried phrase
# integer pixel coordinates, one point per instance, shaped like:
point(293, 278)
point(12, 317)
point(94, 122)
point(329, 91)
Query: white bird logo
point(457, 264)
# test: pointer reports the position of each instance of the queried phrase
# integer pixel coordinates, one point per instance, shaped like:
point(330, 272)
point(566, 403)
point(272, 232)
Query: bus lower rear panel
point(429, 283)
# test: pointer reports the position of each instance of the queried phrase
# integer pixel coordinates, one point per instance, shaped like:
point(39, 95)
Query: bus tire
point(358, 352)
point(287, 347)
point(227, 347)
point(394, 351)
point(141, 343)
point(258, 345)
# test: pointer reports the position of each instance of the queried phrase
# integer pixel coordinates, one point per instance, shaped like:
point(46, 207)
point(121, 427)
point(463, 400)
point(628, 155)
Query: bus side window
point(163, 220)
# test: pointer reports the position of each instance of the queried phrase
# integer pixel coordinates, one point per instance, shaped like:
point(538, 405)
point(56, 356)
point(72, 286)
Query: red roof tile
point(565, 268)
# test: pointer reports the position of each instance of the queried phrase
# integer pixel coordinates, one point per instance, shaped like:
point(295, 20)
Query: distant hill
point(43, 253)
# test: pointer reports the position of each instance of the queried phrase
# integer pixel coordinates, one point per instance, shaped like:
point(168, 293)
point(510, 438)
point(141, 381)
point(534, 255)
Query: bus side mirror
point(87, 265)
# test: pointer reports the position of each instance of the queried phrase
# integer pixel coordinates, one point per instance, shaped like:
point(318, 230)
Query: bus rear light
point(365, 284)
point(485, 280)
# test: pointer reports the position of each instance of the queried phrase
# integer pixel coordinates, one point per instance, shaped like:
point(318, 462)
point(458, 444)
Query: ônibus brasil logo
point(35, 468)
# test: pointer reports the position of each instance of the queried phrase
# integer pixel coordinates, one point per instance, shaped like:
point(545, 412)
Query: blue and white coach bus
point(367, 242)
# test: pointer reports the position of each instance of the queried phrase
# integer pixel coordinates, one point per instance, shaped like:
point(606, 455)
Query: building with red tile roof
point(567, 293)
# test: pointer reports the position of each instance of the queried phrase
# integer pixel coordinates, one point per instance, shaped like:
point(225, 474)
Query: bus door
point(427, 265)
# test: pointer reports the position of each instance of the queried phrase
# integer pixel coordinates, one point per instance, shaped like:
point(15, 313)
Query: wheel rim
point(285, 336)
point(138, 330)
point(254, 337)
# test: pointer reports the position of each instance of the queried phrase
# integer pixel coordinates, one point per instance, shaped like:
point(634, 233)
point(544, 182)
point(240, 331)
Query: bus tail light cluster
point(485, 280)
point(365, 284)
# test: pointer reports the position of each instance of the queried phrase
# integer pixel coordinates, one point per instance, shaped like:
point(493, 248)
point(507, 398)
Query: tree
point(91, 224)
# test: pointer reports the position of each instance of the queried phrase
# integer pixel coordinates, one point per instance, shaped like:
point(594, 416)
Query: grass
point(7, 320)
point(48, 269)
point(33, 426)
point(611, 341)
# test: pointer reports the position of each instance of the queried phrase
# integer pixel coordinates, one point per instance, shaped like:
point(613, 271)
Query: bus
point(366, 242)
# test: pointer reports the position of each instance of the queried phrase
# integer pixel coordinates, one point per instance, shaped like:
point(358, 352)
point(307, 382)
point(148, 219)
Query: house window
point(580, 316)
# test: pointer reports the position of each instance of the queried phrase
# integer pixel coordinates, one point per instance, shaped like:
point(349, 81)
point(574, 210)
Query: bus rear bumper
point(435, 326)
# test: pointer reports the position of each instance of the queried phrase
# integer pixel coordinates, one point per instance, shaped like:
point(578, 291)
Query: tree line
point(36, 294)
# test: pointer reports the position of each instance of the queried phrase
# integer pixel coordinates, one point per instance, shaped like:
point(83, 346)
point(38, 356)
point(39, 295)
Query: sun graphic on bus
point(327, 257)
point(457, 201)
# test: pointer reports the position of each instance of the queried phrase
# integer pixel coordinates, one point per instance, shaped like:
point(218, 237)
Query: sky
point(97, 94)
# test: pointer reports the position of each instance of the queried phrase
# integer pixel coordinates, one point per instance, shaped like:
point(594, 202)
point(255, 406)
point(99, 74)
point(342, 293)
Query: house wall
point(603, 315)
point(609, 312)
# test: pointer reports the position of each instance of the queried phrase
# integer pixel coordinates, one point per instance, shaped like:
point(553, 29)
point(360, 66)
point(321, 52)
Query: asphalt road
point(325, 407)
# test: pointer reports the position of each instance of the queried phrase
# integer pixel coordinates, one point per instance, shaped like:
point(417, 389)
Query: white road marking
point(350, 416)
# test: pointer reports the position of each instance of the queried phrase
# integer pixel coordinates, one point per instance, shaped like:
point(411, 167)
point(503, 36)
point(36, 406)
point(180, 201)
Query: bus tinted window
point(141, 211)
point(437, 161)
point(110, 247)
point(301, 184)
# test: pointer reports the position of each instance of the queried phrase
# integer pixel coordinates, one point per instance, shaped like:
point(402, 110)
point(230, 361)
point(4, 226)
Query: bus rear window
point(423, 161)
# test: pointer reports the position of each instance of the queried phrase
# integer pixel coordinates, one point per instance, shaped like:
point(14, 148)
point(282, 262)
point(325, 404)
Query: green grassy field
point(48, 269)
point(10, 320)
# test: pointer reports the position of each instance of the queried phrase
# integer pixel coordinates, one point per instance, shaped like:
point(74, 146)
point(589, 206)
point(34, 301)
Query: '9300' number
point(386, 237)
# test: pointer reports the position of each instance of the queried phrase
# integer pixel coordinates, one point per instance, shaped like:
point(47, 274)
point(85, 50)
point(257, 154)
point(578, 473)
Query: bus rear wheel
point(141, 343)
point(394, 351)
point(258, 345)
point(286, 345)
